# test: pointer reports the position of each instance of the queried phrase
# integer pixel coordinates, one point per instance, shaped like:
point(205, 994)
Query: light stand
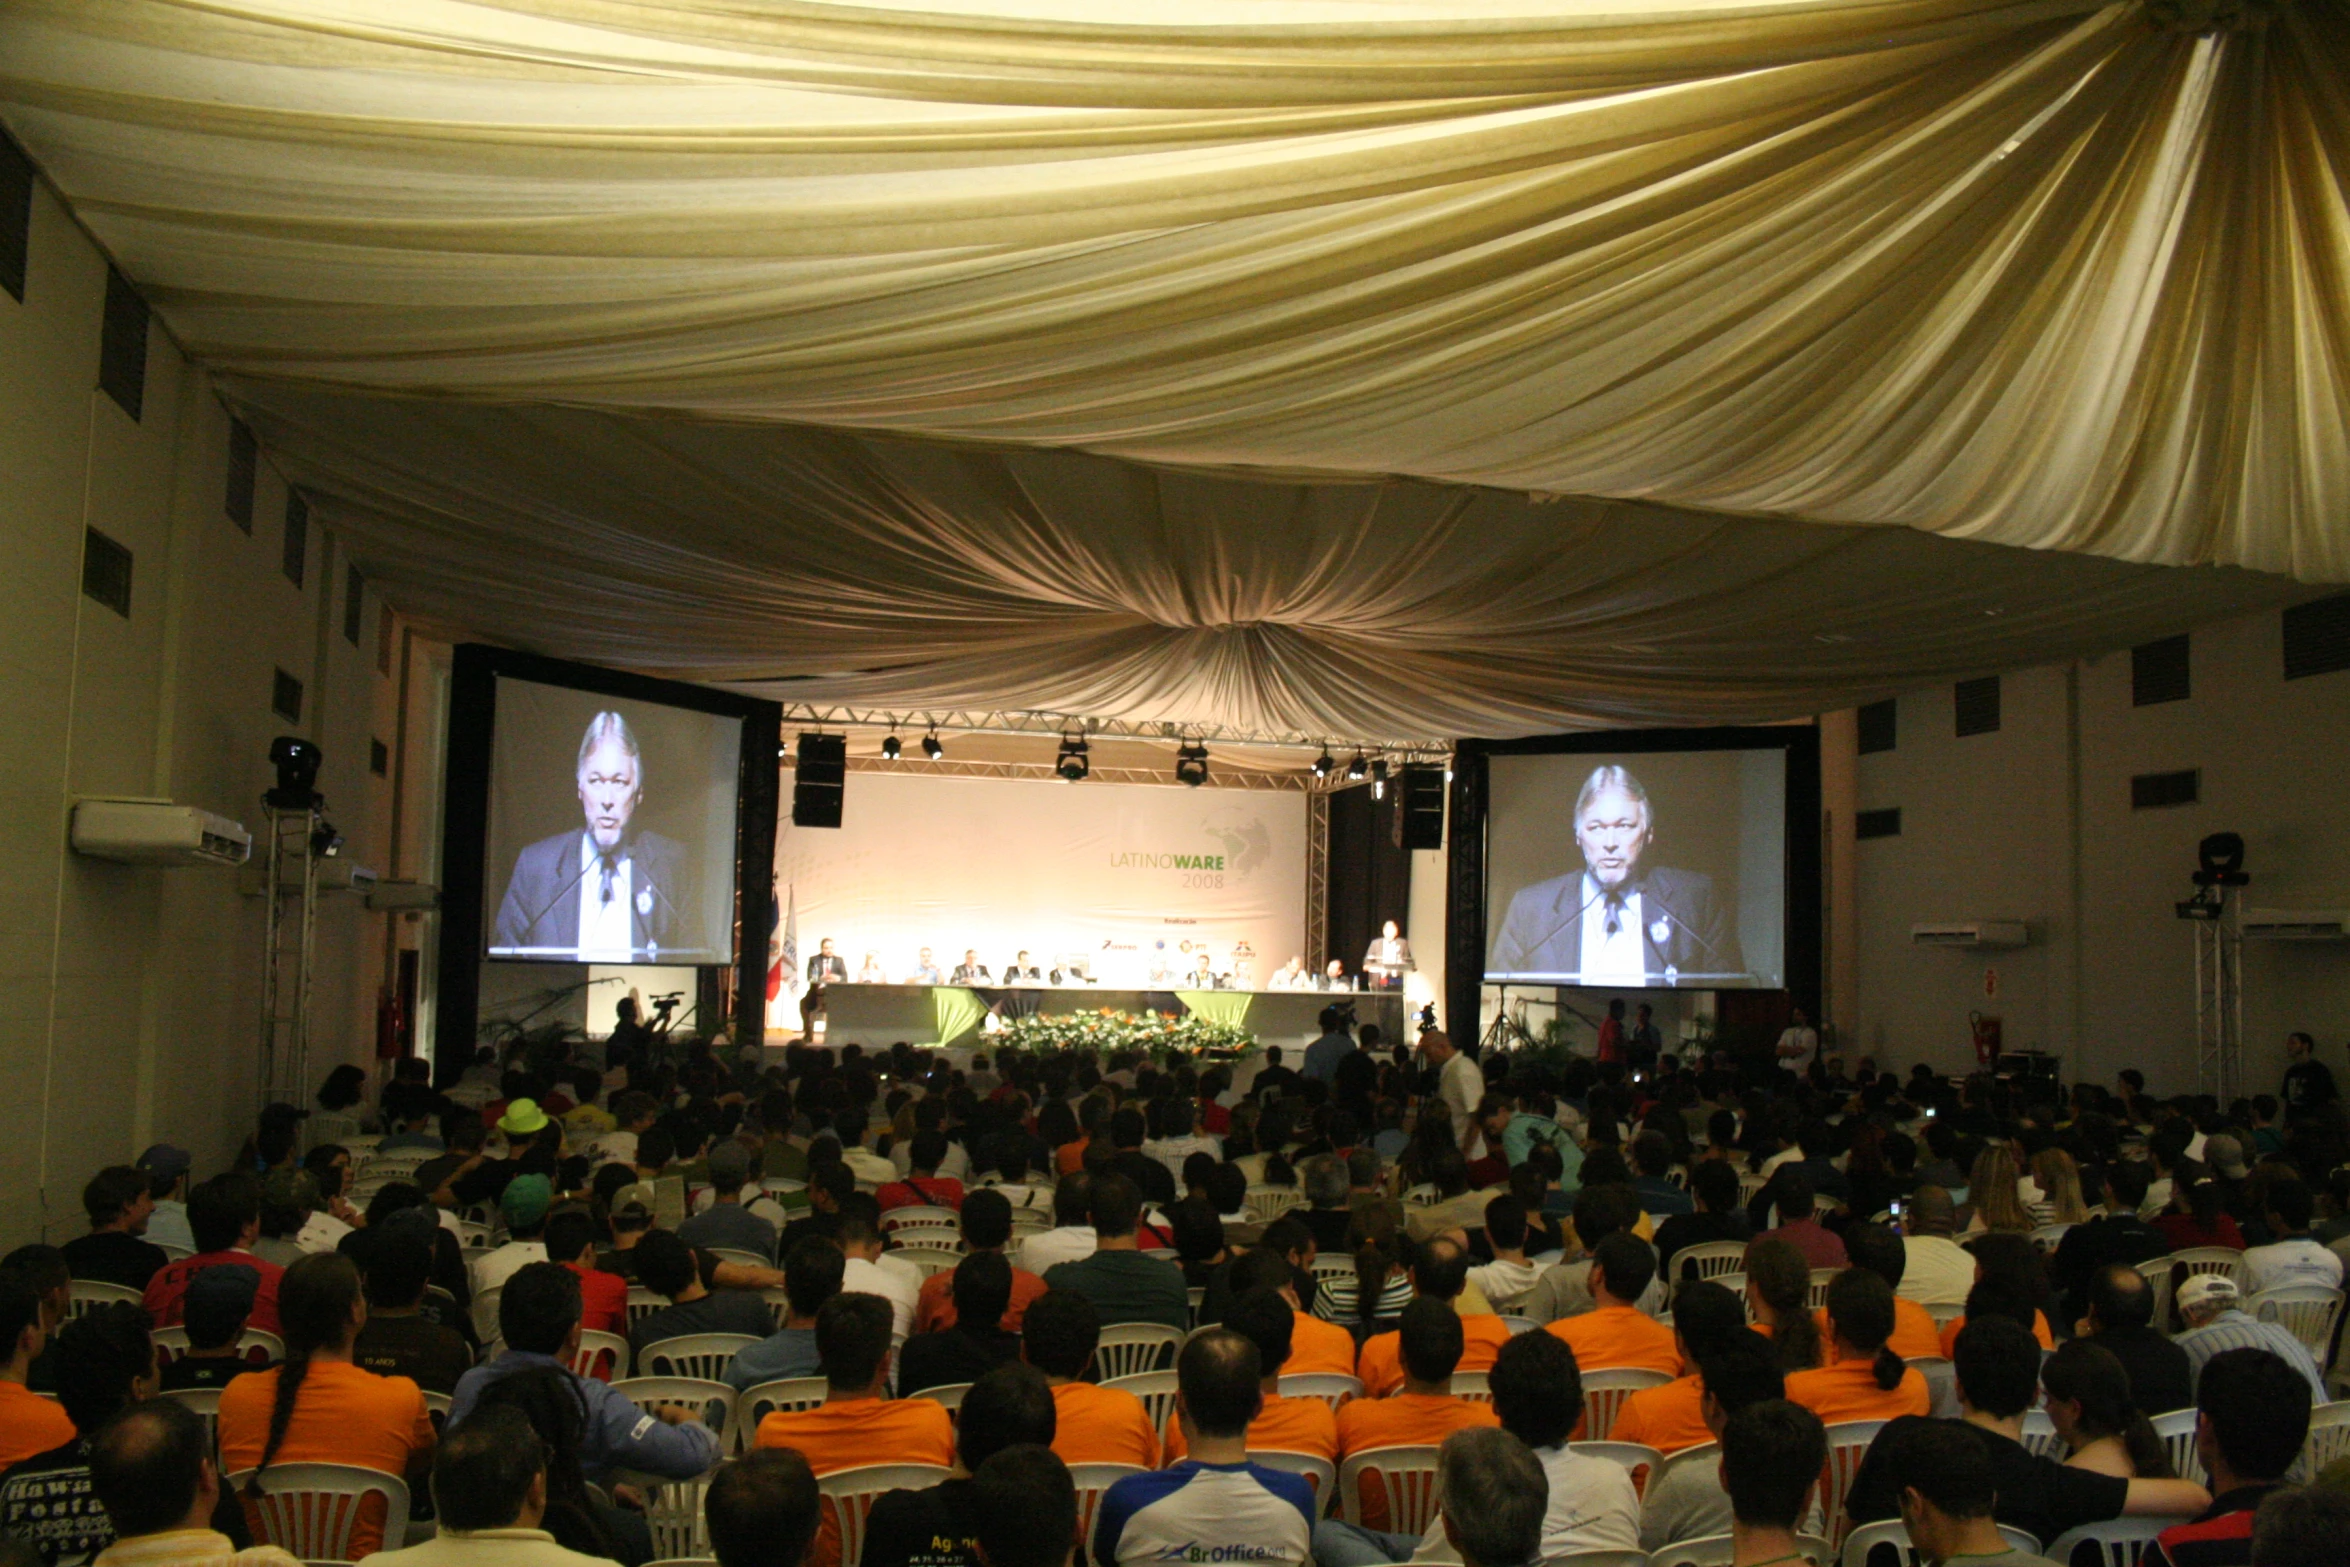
point(2216, 911)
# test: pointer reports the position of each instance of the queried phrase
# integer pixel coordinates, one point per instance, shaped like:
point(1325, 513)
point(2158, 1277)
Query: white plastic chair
point(1320, 1473)
point(1848, 1443)
point(594, 1345)
point(2194, 1260)
point(1941, 1381)
point(704, 1355)
point(2307, 1311)
point(643, 1302)
point(2040, 1438)
point(2049, 1236)
point(1866, 1537)
point(2329, 1438)
point(673, 1516)
point(2177, 1429)
point(1128, 1348)
point(253, 1345)
point(1091, 1480)
point(928, 1260)
point(1598, 1559)
point(852, 1492)
point(1332, 1267)
point(1267, 1203)
point(742, 1255)
point(85, 1293)
point(1423, 1195)
point(2119, 1541)
point(1518, 1325)
point(310, 1510)
point(1711, 1259)
point(1406, 1477)
point(1328, 1386)
point(204, 1403)
point(1604, 1392)
point(715, 1402)
point(2156, 1272)
point(1639, 1460)
point(1705, 1455)
point(1715, 1550)
point(1475, 1386)
point(921, 1214)
point(947, 1394)
point(787, 1394)
point(1817, 1296)
point(1156, 1389)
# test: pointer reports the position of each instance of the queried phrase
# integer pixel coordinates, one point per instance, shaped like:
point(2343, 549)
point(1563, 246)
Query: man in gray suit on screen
point(1617, 921)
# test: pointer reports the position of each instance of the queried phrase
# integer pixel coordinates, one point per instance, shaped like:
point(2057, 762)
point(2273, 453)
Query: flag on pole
point(791, 935)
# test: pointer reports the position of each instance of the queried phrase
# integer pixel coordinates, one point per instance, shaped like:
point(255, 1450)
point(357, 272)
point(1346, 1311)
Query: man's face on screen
point(608, 793)
point(1612, 833)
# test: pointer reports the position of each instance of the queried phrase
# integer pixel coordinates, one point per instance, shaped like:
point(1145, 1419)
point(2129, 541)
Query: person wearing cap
point(219, 1303)
point(727, 1223)
point(2216, 1323)
point(524, 1204)
point(166, 1169)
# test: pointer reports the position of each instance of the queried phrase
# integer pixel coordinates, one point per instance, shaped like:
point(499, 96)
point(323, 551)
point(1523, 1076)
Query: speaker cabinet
point(818, 780)
point(1419, 808)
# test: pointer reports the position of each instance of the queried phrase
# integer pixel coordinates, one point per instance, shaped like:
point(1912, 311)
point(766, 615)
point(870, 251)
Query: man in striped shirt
point(2216, 1323)
point(2252, 1417)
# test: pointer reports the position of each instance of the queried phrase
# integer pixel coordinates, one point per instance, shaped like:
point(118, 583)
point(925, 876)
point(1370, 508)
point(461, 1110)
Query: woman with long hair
point(1862, 1379)
point(1381, 1284)
point(1778, 1291)
point(319, 1408)
point(577, 1516)
point(2198, 1214)
point(1994, 1197)
point(2090, 1405)
point(2059, 1180)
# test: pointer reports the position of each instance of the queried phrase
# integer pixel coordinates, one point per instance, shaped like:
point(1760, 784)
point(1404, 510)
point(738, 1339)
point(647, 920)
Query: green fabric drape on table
point(955, 1012)
point(1217, 1006)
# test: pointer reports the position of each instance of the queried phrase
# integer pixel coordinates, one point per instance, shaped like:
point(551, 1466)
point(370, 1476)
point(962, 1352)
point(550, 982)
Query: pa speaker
point(818, 780)
point(1419, 808)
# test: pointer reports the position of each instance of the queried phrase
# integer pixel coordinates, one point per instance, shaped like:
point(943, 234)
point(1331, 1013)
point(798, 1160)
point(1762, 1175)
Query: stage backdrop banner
point(1130, 880)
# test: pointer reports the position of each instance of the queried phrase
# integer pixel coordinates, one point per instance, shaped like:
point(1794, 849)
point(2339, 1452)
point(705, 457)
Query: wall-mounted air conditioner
point(1970, 933)
point(2296, 924)
point(157, 832)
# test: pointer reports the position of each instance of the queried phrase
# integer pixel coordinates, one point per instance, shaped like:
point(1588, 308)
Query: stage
point(879, 1016)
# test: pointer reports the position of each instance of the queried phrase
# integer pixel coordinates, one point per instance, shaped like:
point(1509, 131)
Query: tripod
point(1508, 1030)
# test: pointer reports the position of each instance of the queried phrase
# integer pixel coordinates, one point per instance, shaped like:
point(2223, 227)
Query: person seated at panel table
point(870, 972)
point(925, 970)
point(1335, 977)
point(970, 971)
point(1291, 975)
point(1022, 971)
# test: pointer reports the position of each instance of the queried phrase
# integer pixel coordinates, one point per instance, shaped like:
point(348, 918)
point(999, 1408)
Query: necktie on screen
point(605, 861)
point(1614, 922)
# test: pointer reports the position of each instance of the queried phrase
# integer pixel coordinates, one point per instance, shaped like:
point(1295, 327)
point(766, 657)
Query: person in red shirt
point(1799, 1225)
point(925, 1187)
point(987, 1226)
point(571, 1241)
point(224, 1215)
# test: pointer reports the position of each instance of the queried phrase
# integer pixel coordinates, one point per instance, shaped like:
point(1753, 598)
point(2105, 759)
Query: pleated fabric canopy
point(1365, 367)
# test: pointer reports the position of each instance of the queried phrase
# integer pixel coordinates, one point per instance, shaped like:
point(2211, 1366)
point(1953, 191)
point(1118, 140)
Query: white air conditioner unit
point(1970, 933)
point(342, 875)
point(157, 832)
point(2296, 924)
point(403, 897)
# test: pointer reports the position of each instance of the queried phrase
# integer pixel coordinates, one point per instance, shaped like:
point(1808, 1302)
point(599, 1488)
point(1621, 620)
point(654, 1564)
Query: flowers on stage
point(1110, 1030)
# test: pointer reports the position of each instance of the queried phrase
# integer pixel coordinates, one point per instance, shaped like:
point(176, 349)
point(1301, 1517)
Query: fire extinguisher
point(1986, 1039)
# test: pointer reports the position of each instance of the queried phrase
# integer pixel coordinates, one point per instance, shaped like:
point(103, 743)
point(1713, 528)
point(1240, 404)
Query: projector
point(157, 832)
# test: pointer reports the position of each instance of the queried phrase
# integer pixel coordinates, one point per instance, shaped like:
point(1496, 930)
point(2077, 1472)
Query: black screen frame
point(465, 814)
point(1465, 843)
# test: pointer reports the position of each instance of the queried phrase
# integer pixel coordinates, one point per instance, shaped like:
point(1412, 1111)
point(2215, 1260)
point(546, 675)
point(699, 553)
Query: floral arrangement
point(1112, 1030)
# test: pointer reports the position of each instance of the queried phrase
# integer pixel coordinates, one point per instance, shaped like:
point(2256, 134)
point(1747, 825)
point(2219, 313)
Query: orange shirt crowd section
point(342, 1415)
point(849, 1433)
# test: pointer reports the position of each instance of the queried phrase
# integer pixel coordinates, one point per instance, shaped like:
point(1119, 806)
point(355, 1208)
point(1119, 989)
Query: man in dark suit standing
point(607, 893)
point(825, 968)
point(1616, 921)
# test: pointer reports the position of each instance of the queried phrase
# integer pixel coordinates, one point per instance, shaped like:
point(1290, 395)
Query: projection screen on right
point(1638, 872)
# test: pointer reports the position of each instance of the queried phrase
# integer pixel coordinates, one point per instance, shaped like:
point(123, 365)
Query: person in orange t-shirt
point(29, 1424)
point(1706, 1317)
point(1440, 1273)
point(1097, 1425)
point(1283, 1425)
point(1617, 1333)
point(340, 1414)
point(987, 1226)
point(855, 1425)
point(1863, 1379)
point(1425, 1412)
point(1315, 1346)
point(1878, 1249)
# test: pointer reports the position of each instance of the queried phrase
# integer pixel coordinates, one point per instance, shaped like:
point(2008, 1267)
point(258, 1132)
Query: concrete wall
point(135, 991)
point(2034, 823)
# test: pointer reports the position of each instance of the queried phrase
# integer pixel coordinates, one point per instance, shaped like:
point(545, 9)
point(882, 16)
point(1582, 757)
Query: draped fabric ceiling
point(1378, 368)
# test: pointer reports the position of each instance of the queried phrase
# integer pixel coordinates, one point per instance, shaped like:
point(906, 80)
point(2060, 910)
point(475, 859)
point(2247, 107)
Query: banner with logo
point(1130, 883)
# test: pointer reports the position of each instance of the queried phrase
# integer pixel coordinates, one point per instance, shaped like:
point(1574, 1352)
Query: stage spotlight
point(1191, 765)
point(296, 761)
point(1357, 768)
point(1323, 764)
point(890, 748)
point(325, 842)
point(1073, 762)
point(931, 748)
point(1379, 778)
point(2222, 858)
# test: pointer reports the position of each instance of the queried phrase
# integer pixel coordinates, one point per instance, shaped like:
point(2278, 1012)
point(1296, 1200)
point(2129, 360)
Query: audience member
point(668, 1267)
point(1214, 1506)
point(119, 1201)
point(812, 1274)
point(762, 1508)
point(2307, 1526)
point(523, 1204)
point(1863, 1379)
point(856, 1421)
point(977, 1343)
point(398, 1339)
point(1706, 1317)
point(1497, 1500)
point(2292, 1257)
point(1772, 1456)
point(2216, 1323)
point(2089, 1403)
point(217, 1306)
point(1936, 1270)
point(29, 1424)
point(2113, 1233)
point(1123, 1284)
point(1440, 1272)
point(868, 1271)
point(1718, 1216)
point(938, 1526)
point(489, 1492)
point(1878, 1249)
point(603, 1296)
point(1093, 1424)
point(986, 1218)
point(1616, 1332)
point(2252, 1411)
point(1023, 1509)
point(1283, 1424)
point(1687, 1501)
point(225, 1216)
point(1071, 1239)
point(105, 1362)
point(153, 1471)
point(166, 1169)
point(2120, 1319)
point(580, 1517)
point(318, 1407)
point(726, 1222)
point(1790, 1192)
point(1425, 1411)
point(1946, 1498)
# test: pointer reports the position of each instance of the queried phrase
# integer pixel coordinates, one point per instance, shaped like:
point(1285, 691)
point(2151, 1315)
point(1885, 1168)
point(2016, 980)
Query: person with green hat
point(523, 1119)
point(524, 1203)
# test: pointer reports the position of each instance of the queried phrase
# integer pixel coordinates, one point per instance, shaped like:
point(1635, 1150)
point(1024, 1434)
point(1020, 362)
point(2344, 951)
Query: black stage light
point(296, 761)
point(2222, 857)
point(1323, 764)
point(1191, 765)
point(1073, 762)
point(325, 842)
point(930, 746)
point(890, 748)
point(1356, 768)
point(1379, 778)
